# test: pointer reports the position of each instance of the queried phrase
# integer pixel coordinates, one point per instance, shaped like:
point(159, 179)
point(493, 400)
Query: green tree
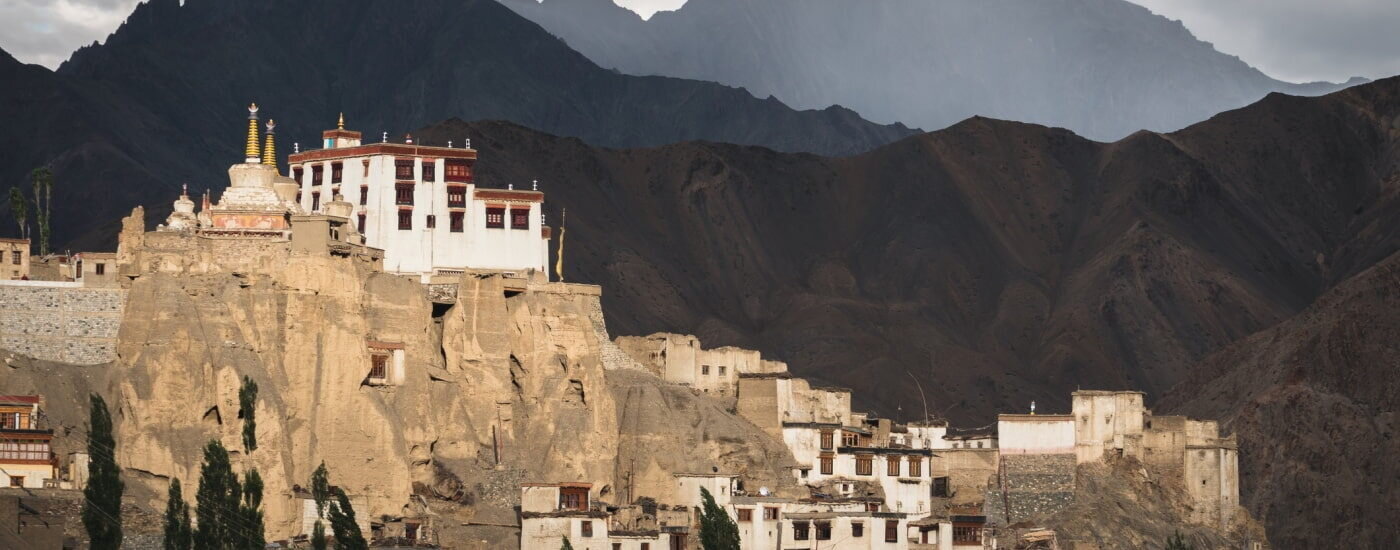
point(318, 536)
point(1178, 542)
point(343, 525)
point(566, 545)
point(102, 498)
point(247, 406)
point(178, 535)
point(19, 208)
point(42, 180)
point(717, 530)
point(250, 514)
point(217, 503)
point(321, 489)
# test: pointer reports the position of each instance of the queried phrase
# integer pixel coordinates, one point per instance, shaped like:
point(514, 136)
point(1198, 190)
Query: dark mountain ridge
point(126, 122)
point(1103, 68)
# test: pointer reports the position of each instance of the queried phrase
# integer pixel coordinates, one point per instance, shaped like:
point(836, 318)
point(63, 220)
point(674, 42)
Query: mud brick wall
point(1031, 485)
point(61, 321)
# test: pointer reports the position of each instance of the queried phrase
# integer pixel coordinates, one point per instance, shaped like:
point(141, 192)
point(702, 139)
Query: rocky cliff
point(500, 387)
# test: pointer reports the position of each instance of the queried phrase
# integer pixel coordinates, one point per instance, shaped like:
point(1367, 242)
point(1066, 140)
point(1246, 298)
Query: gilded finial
point(270, 148)
point(250, 151)
point(559, 256)
point(340, 124)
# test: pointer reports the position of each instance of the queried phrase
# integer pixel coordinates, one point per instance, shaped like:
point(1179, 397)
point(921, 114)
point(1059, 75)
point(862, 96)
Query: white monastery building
point(421, 206)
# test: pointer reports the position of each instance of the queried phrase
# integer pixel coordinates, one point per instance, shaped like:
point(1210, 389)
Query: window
point(857, 529)
point(891, 530)
point(24, 449)
point(17, 257)
point(826, 465)
point(823, 530)
point(454, 220)
point(617, 546)
point(431, 221)
point(296, 174)
point(364, 195)
point(646, 546)
point(892, 466)
point(940, 487)
point(827, 438)
point(365, 163)
point(316, 175)
point(456, 197)
point(495, 218)
point(378, 366)
point(770, 513)
point(101, 268)
point(704, 370)
point(17, 481)
point(916, 466)
point(315, 201)
point(721, 370)
point(403, 194)
point(520, 218)
point(849, 439)
point(403, 169)
point(967, 534)
point(586, 528)
point(979, 444)
point(456, 170)
point(405, 220)
point(573, 498)
point(800, 530)
point(336, 172)
point(360, 223)
point(429, 170)
point(865, 465)
point(745, 514)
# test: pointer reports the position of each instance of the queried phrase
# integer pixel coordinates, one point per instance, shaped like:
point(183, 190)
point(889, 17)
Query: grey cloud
point(47, 31)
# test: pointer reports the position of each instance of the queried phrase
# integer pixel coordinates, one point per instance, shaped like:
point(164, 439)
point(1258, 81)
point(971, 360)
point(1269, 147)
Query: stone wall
point(1032, 485)
point(57, 321)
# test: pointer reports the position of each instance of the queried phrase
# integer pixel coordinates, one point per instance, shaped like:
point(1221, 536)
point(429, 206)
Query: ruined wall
point(970, 473)
point(57, 321)
point(178, 252)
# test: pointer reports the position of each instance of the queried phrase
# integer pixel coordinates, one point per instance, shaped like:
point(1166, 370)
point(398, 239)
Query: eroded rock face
point(516, 384)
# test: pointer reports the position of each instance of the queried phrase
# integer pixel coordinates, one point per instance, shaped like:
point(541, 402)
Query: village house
point(14, 259)
point(26, 458)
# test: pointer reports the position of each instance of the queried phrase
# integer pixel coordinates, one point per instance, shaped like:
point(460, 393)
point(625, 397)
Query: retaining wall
point(59, 321)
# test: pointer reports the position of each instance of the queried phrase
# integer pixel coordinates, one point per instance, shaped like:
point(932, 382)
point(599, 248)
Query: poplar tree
point(217, 503)
point(1177, 542)
point(102, 498)
point(247, 407)
point(717, 530)
point(178, 535)
point(321, 494)
point(566, 545)
point(42, 180)
point(318, 536)
point(250, 527)
point(19, 208)
point(347, 532)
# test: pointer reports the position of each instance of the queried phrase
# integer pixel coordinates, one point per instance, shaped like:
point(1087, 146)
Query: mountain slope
point(993, 262)
point(1314, 402)
point(1103, 68)
point(128, 121)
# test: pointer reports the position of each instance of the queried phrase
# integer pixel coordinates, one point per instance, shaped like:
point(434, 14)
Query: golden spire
point(340, 124)
point(250, 152)
point(269, 155)
point(559, 256)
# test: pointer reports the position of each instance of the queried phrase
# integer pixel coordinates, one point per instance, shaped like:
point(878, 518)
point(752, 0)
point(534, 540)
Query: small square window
point(364, 195)
point(704, 370)
point(519, 218)
point(101, 269)
point(429, 170)
point(336, 172)
point(495, 218)
point(823, 530)
point(770, 513)
point(431, 221)
point(857, 529)
point(800, 530)
point(405, 220)
point(745, 514)
point(586, 528)
point(455, 221)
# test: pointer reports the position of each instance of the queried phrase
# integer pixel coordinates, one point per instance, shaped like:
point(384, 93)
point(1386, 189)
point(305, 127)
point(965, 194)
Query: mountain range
point(1243, 268)
point(1102, 68)
point(127, 121)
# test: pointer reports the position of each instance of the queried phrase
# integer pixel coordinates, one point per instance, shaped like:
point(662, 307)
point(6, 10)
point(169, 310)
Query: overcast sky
point(1295, 40)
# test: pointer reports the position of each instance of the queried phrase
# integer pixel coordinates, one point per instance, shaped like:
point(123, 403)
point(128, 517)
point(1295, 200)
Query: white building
point(420, 205)
point(26, 458)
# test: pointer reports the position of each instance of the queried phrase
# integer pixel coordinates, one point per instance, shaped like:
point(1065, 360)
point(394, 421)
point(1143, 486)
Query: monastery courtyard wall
point(61, 321)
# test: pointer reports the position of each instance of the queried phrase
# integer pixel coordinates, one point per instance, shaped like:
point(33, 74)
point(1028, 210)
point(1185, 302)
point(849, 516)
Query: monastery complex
point(407, 215)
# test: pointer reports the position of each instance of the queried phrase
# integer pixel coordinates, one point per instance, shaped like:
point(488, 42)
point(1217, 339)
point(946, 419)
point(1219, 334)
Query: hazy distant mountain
point(1103, 68)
